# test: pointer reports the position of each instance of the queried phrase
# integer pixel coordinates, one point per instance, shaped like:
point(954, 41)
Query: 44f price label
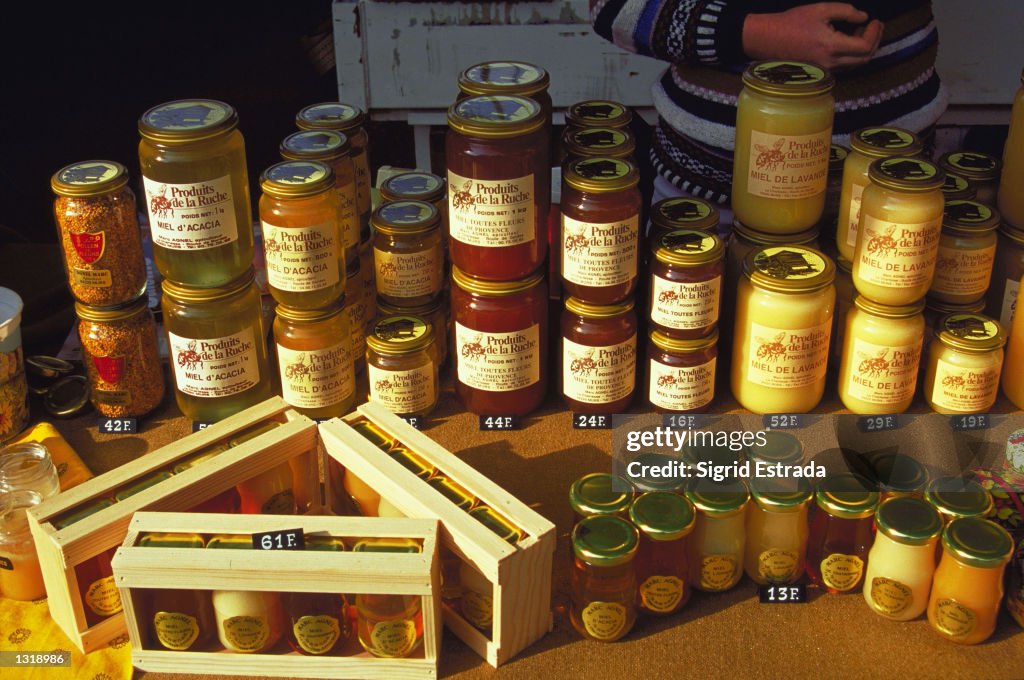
point(493, 423)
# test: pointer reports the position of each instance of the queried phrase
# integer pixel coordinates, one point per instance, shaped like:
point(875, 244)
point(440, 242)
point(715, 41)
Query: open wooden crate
point(520, 574)
point(61, 550)
point(281, 571)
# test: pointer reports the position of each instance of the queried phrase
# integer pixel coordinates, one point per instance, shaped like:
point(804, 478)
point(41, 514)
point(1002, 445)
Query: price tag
point(585, 421)
point(199, 425)
point(868, 424)
point(415, 421)
point(286, 539)
point(491, 423)
point(685, 421)
point(970, 422)
point(119, 425)
point(783, 421)
point(782, 594)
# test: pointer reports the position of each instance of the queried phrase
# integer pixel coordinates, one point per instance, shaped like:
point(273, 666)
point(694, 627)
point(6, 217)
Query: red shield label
point(111, 369)
point(89, 246)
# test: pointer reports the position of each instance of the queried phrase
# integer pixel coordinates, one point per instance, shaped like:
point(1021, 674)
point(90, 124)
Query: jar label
point(717, 572)
point(842, 572)
point(215, 367)
point(778, 566)
point(1009, 303)
point(192, 216)
point(102, 597)
point(491, 213)
point(661, 594)
point(685, 306)
point(91, 278)
point(788, 166)
point(316, 378)
point(175, 630)
point(362, 167)
point(498, 362)
point(600, 255)
point(963, 272)
point(785, 358)
point(478, 608)
point(411, 391)
point(890, 597)
point(604, 620)
point(301, 259)
point(357, 321)
point(406, 275)
point(89, 246)
point(246, 633)
point(316, 634)
point(112, 397)
point(393, 638)
point(281, 503)
point(682, 388)
point(882, 374)
point(856, 196)
point(110, 369)
point(898, 255)
point(347, 216)
point(965, 389)
point(598, 375)
point(954, 619)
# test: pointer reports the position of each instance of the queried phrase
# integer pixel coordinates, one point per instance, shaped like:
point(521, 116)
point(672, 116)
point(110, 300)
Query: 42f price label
point(118, 425)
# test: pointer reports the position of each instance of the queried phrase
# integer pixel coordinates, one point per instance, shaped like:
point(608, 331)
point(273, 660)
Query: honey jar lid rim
point(819, 80)
point(977, 542)
point(576, 116)
point(595, 494)
point(115, 313)
point(899, 472)
point(672, 247)
point(777, 493)
point(338, 148)
point(908, 520)
point(847, 495)
point(954, 330)
point(961, 187)
point(329, 311)
point(765, 273)
point(779, 447)
point(426, 218)
point(911, 144)
point(186, 293)
point(480, 286)
point(951, 159)
point(276, 181)
point(837, 155)
point(354, 117)
point(958, 497)
point(62, 183)
point(670, 344)
point(889, 311)
point(766, 239)
point(604, 540)
point(1012, 232)
point(892, 172)
point(387, 186)
point(170, 133)
point(988, 218)
point(468, 84)
point(590, 310)
point(663, 515)
point(707, 214)
point(626, 174)
point(625, 145)
point(387, 338)
point(721, 499)
point(485, 127)
point(952, 308)
point(423, 310)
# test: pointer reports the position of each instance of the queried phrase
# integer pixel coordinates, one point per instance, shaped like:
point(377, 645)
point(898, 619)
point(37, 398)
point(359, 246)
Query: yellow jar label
point(600, 254)
point(282, 503)
point(598, 375)
point(175, 630)
point(348, 218)
point(682, 388)
point(890, 597)
point(302, 259)
point(717, 572)
point(661, 594)
point(498, 362)
point(842, 572)
point(788, 166)
point(478, 609)
point(316, 378)
point(898, 255)
point(954, 619)
point(194, 216)
point(787, 358)
point(91, 278)
point(1009, 305)
point(393, 638)
point(882, 374)
point(316, 634)
point(964, 389)
point(245, 633)
point(604, 620)
point(410, 391)
point(215, 367)
point(102, 597)
point(685, 306)
point(856, 196)
point(491, 213)
point(406, 275)
point(778, 566)
point(963, 272)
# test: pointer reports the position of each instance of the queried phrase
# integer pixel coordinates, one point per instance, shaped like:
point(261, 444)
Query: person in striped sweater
point(882, 53)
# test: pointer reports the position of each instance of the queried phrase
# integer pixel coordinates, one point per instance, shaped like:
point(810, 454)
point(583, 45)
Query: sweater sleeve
point(677, 31)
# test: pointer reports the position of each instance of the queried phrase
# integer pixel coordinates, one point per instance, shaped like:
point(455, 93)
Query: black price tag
point(199, 425)
point(783, 421)
point(118, 425)
point(886, 423)
point(970, 422)
point(782, 594)
point(492, 423)
point(684, 421)
point(415, 421)
point(591, 421)
point(286, 539)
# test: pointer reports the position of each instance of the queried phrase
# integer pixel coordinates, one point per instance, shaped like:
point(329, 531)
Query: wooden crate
point(520, 573)
point(61, 550)
point(282, 571)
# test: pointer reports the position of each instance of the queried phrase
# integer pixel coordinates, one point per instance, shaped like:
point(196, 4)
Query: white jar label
point(316, 634)
point(406, 275)
point(1009, 307)
point(192, 216)
point(787, 358)
point(898, 255)
point(788, 166)
point(881, 374)
point(301, 259)
point(965, 389)
point(685, 306)
point(856, 196)
point(215, 367)
point(347, 215)
point(600, 255)
point(676, 388)
point(491, 213)
point(316, 378)
point(404, 391)
point(598, 375)
point(498, 362)
point(963, 272)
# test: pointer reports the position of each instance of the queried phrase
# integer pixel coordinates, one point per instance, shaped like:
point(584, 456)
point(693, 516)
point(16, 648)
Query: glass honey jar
point(402, 362)
point(603, 580)
point(358, 314)
point(591, 142)
point(1011, 184)
point(389, 625)
point(715, 549)
point(192, 158)
point(1001, 299)
point(783, 135)
point(302, 240)
point(318, 622)
point(600, 493)
point(686, 283)
point(965, 361)
point(598, 356)
point(837, 156)
point(967, 253)
point(507, 77)
point(592, 113)
point(776, 530)
point(664, 521)
point(314, 356)
point(20, 575)
point(408, 256)
point(180, 620)
point(841, 532)
point(682, 212)
point(936, 309)
point(957, 188)
point(419, 186)
point(980, 169)
point(681, 373)
point(436, 313)
point(955, 497)
point(845, 295)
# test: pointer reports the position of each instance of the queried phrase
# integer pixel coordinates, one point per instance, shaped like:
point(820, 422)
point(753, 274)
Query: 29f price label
point(118, 425)
point(585, 421)
point(495, 423)
point(783, 421)
point(286, 539)
point(782, 594)
point(886, 423)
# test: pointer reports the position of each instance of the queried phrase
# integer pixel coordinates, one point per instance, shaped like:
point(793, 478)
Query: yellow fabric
point(70, 468)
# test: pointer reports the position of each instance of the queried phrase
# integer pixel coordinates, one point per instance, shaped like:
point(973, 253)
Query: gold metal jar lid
point(479, 286)
point(788, 78)
point(187, 120)
point(762, 238)
point(108, 314)
point(942, 308)
point(596, 494)
point(908, 520)
point(887, 311)
point(780, 494)
point(315, 145)
point(504, 77)
point(970, 216)
point(906, 174)
point(599, 141)
point(604, 541)
point(416, 185)
point(688, 248)
point(1011, 232)
point(974, 165)
point(400, 334)
point(676, 346)
point(387, 545)
point(899, 473)
point(159, 539)
point(977, 542)
point(311, 315)
point(685, 212)
point(589, 310)
point(89, 178)
point(844, 266)
point(789, 269)
point(720, 499)
point(959, 497)
point(180, 292)
point(330, 116)
point(598, 113)
point(405, 217)
point(601, 174)
point(837, 154)
point(957, 188)
point(297, 179)
point(426, 310)
point(847, 495)
point(970, 333)
point(881, 142)
point(495, 116)
point(779, 447)
point(663, 515)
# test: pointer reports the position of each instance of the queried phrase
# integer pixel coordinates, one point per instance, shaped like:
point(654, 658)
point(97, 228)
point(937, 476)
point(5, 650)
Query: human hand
point(807, 33)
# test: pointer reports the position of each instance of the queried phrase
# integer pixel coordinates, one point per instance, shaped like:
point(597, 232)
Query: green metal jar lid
point(89, 178)
point(903, 173)
point(662, 516)
point(781, 494)
point(504, 77)
point(400, 334)
point(412, 462)
point(970, 216)
point(315, 145)
point(330, 116)
point(594, 494)
point(879, 142)
point(405, 216)
point(779, 447)
point(977, 542)
point(80, 512)
point(599, 141)
point(688, 248)
point(421, 186)
point(601, 174)
point(959, 497)
point(325, 543)
point(847, 495)
point(648, 482)
point(187, 120)
point(604, 541)
point(974, 165)
point(684, 212)
point(719, 499)
point(297, 179)
point(788, 78)
point(598, 113)
point(975, 333)
point(789, 269)
point(957, 188)
point(230, 542)
point(908, 520)
point(141, 485)
point(899, 472)
point(495, 116)
point(497, 524)
point(462, 499)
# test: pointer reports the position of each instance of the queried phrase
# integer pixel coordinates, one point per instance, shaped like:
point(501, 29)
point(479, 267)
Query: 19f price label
point(971, 422)
point(585, 421)
point(118, 425)
point(782, 594)
point(286, 539)
point(495, 423)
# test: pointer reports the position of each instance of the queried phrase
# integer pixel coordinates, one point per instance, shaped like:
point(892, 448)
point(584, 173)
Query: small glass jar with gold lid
point(686, 283)
point(967, 253)
point(598, 356)
point(664, 521)
point(965, 361)
point(600, 493)
point(955, 497)
point(776, 529)
point(598, 141)
point(681, 373)
point(435, 312)
point(842, 530)
point(402, 365)
point(715, 549)
point(408, 257)
point(980, 169)
point(592, 113)
point(682, 212)
point(603, 581)
point(957, 188)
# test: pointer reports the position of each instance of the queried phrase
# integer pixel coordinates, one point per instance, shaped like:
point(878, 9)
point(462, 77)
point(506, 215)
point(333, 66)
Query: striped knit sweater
point(696, 96)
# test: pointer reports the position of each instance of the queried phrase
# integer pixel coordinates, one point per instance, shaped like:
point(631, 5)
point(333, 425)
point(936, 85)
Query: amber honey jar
point(600, 493)
point(681, 373)
point(598, 356)
point(600, 229)
point(598, 141)
point(967, 253)
point(1000, 301)
point(664, 521)
point(436, 313)
point(402, 362)
point(592, 113)
point(682, 212)
point(408, 256)
point(841, 532)
point(603, 580)
point(419, 186)
point(980, 169)
point(686, 283)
